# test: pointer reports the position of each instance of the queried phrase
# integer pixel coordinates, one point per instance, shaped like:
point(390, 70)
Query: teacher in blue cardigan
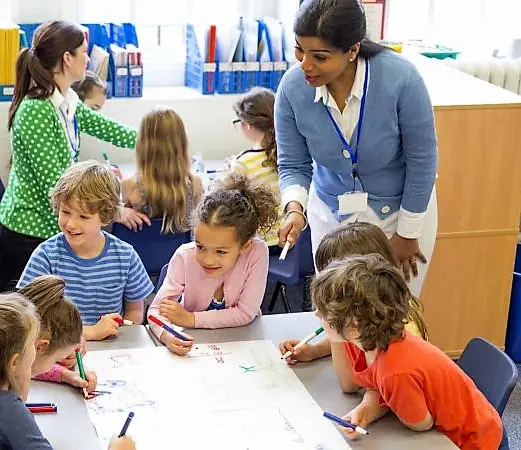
point(355, 137)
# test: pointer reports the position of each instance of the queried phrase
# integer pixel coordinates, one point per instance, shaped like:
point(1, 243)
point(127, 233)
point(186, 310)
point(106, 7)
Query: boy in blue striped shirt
point(103, 275)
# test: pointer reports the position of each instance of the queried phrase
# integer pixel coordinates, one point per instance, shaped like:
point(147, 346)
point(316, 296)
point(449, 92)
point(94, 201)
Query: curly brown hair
point(248, 206)
point(93, 185)
point(362, 238)
point(367, 292)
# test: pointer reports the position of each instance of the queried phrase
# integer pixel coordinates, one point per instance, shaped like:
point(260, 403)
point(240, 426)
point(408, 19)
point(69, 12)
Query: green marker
point(303, 342)
point(81, 369)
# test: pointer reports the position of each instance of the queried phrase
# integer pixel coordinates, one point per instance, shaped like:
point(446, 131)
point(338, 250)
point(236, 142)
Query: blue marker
point(126, 424)
point(345, 423)
point(165, 327)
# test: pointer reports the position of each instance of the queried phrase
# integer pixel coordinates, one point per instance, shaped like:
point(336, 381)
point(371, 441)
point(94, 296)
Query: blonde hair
point(163, 167)
point(18, 318)
point(256, 108)
point(93, 185)
point(362, 238)
point(248, 206)
point(60, 320)
point(367, 292)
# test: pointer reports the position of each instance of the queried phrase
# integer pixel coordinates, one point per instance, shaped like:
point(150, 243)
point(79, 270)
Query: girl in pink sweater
point(219, 280)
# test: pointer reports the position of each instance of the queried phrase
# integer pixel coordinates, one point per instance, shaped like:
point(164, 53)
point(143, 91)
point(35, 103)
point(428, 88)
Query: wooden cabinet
point(467, 290)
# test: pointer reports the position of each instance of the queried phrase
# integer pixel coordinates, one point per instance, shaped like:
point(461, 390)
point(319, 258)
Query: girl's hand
point(122, 443)
point(132, 219)
point(304, 354)
point(176, 345)
point(406, 251)
point(176, 314)
point(74, 379)
point(292, 226)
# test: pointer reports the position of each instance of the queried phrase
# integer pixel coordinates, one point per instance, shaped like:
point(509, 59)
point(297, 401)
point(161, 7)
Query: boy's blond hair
point(366, 292)
point(93, 185)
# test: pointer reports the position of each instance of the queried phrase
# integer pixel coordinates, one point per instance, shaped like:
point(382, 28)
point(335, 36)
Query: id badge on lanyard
point(354, 201)
point(73, 142)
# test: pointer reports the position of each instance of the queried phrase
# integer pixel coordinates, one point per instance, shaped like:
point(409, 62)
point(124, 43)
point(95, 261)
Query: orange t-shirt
point(413, 377)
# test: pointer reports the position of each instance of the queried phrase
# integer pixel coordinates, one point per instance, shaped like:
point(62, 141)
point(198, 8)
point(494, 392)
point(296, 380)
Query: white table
point(319, 378)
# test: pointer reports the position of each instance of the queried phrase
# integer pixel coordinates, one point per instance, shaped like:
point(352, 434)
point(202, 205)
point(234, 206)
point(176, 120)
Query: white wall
point(207, 120)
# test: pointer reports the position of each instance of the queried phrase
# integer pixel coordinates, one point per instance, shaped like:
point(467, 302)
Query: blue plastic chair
point(161, 278)
point(154, 249)
point(492, 370)
point(298, 264)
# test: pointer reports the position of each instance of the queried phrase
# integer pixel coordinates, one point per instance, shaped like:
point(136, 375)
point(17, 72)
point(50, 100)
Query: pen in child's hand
point(81, 369)
point(345, 423)
point(126, 424)
point(303, 342)
point(284, 251)
point(165, 327)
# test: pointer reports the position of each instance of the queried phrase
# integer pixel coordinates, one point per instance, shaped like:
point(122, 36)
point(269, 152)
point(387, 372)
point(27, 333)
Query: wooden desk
point(467, 289)
point(318, 377)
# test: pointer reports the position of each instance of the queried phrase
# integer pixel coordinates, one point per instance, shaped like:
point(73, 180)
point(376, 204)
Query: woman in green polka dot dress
point(45, 121)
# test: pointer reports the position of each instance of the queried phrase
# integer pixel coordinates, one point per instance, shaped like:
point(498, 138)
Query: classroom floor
point(512, 414)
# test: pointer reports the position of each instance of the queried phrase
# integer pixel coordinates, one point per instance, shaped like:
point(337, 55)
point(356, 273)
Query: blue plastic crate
point(29, 29)
point(250, 76)
point(227, 79)
point(120, 81)
point(130, 34)
point(279, 68)
point(135, 81)
point(6, 92)
point(266, 75)
point(199, 75)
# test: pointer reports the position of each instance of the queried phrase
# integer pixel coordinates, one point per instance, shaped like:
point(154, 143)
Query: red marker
point(42, 408)
point(122, 322)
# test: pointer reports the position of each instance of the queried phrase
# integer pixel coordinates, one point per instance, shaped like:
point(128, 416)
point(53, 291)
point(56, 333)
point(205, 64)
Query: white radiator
point(503, 72)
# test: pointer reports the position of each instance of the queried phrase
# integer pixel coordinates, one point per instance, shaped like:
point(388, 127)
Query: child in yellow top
point(358, 238)
point(255, 120)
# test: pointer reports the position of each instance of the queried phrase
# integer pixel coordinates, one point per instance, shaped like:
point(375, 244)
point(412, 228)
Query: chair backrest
point(161, 278)
point(154, 249)
point(492, 370)
point(298, 262)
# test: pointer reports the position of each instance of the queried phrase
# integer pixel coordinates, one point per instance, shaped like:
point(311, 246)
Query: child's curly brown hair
point(366, 292)
point(248, 206)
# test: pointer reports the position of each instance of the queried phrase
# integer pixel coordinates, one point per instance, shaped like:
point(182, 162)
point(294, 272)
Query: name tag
point(352, 202)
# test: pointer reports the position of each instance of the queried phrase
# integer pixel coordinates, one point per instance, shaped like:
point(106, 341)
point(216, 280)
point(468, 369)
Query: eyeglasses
point(237, 123)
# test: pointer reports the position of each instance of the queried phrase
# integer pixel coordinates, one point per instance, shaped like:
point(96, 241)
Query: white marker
point(303, 342)
point(284, 251)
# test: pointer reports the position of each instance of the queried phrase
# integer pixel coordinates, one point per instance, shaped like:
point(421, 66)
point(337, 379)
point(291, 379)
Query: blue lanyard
point(353, 153)
point(74, 143)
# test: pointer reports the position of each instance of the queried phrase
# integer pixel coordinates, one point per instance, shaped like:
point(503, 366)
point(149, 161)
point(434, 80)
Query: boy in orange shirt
point(364, 302)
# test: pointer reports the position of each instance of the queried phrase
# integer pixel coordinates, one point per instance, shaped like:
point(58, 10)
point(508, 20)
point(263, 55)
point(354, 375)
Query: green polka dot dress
point(41, 153)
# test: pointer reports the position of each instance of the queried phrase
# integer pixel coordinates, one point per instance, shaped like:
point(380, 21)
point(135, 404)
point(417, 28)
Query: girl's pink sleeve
point(54, 375)
point(248, 306)
point(173, 286)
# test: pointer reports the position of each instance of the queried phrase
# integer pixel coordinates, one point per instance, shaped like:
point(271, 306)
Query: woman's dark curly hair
point(366, 292)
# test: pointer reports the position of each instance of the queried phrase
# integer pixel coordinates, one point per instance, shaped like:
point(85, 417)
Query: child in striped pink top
point(219, 280)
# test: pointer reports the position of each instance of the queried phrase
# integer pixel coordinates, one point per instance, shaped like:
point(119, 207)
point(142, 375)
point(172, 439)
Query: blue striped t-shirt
point(97, 286)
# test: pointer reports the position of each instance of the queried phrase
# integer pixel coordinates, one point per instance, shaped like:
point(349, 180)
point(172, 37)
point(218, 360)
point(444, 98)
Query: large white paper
point(231, 396)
